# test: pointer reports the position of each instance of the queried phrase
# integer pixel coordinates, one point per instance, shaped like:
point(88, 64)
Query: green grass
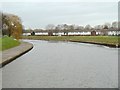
point(113, 40)
point(8, 42)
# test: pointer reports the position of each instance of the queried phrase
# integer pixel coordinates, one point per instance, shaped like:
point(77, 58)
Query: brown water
point(63, 65)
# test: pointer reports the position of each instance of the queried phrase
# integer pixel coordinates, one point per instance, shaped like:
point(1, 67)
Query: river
point(63, 65)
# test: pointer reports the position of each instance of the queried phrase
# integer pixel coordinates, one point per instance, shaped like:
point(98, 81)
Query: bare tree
point(106, 25)
point(88, 27)
point(65, 28)
point(115, 25)
point(57, 29)
point(71, 27)
point(99, 27)
point(80, 27)
point(50, 27)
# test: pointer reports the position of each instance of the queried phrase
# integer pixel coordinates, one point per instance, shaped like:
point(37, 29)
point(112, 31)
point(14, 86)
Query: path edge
point(16, 56)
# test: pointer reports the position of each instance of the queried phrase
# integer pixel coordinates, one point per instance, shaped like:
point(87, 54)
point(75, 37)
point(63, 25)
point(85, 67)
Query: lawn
point(113, 40)
point(8, 42)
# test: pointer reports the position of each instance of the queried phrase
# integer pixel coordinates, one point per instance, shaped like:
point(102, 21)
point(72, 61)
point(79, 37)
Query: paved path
point(11, 54)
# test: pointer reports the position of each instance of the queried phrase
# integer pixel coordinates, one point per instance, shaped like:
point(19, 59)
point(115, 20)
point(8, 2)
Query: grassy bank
point(8, 42)
point(110, 40)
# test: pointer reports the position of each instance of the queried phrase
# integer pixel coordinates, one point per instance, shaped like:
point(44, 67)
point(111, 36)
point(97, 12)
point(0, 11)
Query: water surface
point(63, 65)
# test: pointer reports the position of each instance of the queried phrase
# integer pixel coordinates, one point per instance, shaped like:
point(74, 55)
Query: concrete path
point(11, 54)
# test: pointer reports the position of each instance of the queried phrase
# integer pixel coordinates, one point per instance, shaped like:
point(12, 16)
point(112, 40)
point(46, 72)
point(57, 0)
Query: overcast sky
point(39, 14)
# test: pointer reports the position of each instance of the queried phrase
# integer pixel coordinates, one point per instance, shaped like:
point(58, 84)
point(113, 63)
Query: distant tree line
point(11, 25)
point(51, 28)
point(113, 25)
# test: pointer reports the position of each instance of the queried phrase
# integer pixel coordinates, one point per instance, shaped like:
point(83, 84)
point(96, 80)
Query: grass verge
point(110, 40)
point(8, 42)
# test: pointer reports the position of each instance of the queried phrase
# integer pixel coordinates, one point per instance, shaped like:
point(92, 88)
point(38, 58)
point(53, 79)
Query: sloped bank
point(13, 53)
point(109, 41)
point(103, 44)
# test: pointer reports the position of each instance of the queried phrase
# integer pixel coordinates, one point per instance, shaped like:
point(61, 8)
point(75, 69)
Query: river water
point(63, 65)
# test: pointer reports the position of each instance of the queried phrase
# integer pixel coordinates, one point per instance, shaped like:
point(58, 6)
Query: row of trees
point(114, 25)
point(51, 28)
point(11, 25)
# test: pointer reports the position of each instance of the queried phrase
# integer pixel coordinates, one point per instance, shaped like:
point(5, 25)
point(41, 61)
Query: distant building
point(114, 32)
point(26, 34)
point(93, 33)
point(50, 33)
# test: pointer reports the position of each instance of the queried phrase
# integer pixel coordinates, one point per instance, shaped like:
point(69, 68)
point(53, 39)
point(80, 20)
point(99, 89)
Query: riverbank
point(110, 41)
point(13, 53)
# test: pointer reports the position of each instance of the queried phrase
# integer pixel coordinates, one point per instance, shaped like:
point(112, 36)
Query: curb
point(23, 48)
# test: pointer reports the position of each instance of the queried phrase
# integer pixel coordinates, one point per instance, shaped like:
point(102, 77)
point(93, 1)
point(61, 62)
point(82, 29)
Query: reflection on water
point(63, 64)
